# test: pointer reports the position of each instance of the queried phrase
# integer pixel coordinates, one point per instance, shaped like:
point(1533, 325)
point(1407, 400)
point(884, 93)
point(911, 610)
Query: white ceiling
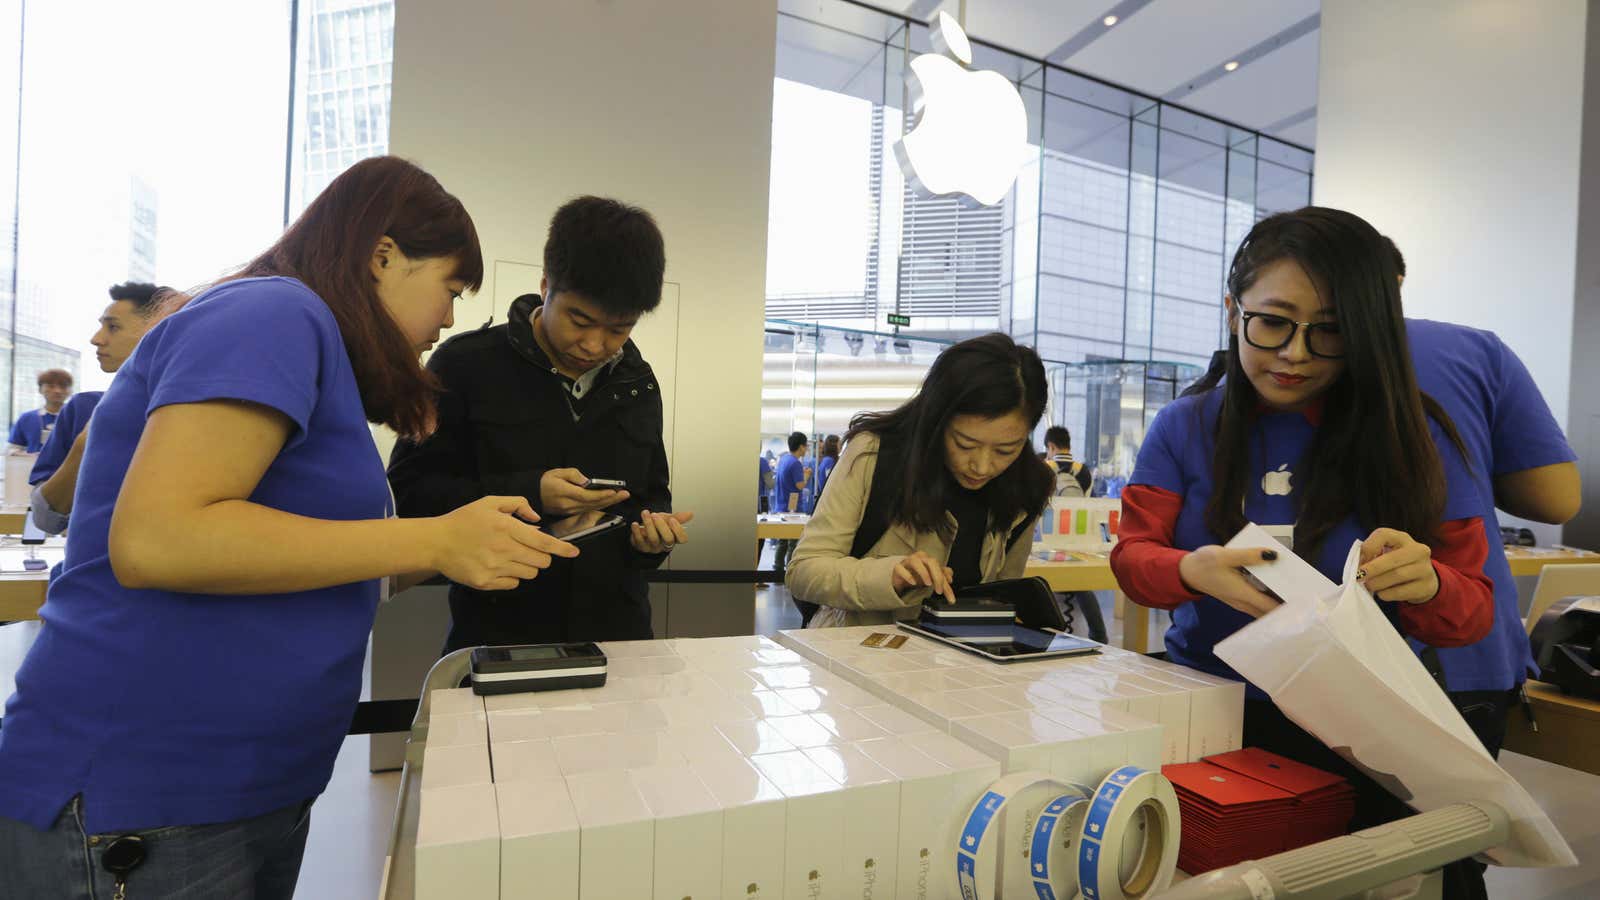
point(1164, 46)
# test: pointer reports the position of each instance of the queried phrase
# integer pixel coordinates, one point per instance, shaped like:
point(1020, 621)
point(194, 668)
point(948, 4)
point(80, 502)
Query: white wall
point(516, 108)
point(1453, 126)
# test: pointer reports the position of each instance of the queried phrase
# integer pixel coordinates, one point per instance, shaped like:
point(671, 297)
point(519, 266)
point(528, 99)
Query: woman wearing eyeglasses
point(1318, 433)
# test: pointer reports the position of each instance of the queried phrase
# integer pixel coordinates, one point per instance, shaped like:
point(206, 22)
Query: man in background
point(33, 427)
point(1072, 477)
point(135, 308)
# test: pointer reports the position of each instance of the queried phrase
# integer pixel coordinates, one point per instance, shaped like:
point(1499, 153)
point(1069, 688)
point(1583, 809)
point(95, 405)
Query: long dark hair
point(987, 376)
point(1373, 455)
point(330, 247)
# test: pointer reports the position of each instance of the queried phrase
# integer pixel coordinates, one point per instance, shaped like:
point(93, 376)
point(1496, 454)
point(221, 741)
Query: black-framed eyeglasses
point(1265, 331)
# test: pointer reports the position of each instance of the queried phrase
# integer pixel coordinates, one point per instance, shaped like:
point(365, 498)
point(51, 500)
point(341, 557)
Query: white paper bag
point(1336, 667)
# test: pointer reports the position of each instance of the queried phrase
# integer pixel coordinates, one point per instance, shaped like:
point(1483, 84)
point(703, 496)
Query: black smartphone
point(582, 527)
point(1032, 598)
point(606, 484)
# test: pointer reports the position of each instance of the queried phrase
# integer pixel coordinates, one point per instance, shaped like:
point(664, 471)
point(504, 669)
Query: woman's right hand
point(489, 545)
point(921, 570)
point(1219, 572)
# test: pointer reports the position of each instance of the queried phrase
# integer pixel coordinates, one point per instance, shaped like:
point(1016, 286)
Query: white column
point(518, 107)
point(1454, 127)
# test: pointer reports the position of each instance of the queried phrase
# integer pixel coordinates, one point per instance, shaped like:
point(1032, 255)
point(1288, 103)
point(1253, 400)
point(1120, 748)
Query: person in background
point(1318, 431)
point(766, 481)
point(1072, 477)
point(827, 458)
point(1532, 471)
point(201, 656)
point(135, 309)
point(33, 427)
point(790, 482)
point(957, 487)
point(534, 408)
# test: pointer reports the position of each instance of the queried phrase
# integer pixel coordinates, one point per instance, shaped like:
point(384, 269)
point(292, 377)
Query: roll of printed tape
point(1129, 848)
point(1053, 850)
point(980, 851)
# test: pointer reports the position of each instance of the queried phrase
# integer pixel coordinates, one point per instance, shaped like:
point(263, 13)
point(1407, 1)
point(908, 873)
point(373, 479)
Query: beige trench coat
point(860, 591)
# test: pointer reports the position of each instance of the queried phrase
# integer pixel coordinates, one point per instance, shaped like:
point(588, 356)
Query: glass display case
point(1108, 405)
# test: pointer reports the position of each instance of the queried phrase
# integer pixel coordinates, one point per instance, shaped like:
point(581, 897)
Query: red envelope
point(1280, 772)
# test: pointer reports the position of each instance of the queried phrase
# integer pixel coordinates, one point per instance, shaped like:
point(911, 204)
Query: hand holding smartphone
point(583, 526)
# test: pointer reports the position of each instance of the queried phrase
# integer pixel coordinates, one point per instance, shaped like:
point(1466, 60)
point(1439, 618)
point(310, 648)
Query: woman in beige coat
point(963, 491)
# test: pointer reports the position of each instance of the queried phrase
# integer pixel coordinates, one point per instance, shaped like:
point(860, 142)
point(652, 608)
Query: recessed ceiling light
point(1230, 65)
point(1109, 21)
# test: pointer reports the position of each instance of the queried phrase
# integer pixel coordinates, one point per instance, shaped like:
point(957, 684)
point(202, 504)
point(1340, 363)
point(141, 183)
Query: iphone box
point(453, 766)
point(1216, 709)
point(754, 827)
point(934, 798)
point(458, 844)
point(617, 836)
point(456, 730)
point(454, 702)
point(814, 833)
point(523, 761)
point(688, 832)
point(871, 821)
point(539, 840)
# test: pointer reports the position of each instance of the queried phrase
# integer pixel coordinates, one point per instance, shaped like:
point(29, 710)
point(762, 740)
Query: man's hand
point(561, 493)
point(657, 533)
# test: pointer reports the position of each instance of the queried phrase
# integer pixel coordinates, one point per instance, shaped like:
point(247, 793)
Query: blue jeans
point(248, 859)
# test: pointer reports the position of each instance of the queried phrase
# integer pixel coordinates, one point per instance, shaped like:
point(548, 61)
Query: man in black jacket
point(536, 407)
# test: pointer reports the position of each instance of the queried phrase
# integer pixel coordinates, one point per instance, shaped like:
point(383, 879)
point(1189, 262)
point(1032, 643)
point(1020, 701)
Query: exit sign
point(897, 319)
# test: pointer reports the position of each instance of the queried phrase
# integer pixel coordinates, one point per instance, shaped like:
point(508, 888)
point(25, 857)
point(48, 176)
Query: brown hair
point(55, 376)
point(330, 247)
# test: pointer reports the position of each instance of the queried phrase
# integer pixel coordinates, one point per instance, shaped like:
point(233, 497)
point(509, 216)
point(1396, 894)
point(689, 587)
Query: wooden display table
point(11, 519)
point(782, 527)
point(1529, 560)
point(22, 592)
point(1569, 728)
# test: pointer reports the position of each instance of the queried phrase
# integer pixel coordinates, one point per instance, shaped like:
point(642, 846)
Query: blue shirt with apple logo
point(1176, 456)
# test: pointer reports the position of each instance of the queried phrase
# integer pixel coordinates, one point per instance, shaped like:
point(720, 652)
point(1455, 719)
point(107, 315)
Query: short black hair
point(141, 294)
point(797, 440)
point(1059, 436)
point(1394, 251)
point(608, 252)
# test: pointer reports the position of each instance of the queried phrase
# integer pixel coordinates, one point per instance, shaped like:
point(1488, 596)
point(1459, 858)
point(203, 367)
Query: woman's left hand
point(1396, 568)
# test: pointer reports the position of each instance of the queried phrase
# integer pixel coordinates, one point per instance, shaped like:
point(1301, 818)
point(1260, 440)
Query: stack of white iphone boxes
point(1076, 718)
point(724, 767)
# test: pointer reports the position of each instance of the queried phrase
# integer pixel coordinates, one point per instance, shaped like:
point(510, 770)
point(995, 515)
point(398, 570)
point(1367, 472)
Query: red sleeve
point(1463, 611)
point(1144, 560)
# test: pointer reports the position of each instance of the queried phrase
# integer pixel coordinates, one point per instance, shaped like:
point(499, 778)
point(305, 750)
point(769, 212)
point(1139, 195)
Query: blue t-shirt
point(824, 469)
point(165, 708)
point(1502, 418)
point(790, 472)
point(1176, 456)
point(32, 429)
point(70, 423)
